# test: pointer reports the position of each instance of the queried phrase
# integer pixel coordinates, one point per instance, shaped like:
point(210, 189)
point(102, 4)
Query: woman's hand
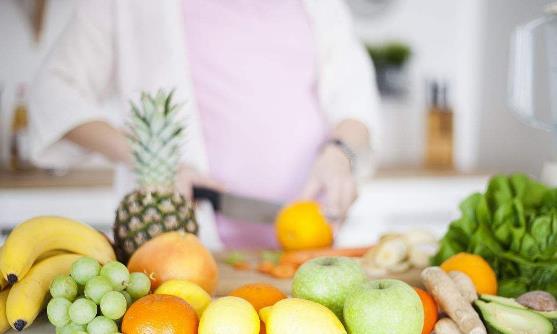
point(332, 176)
point(188, 177)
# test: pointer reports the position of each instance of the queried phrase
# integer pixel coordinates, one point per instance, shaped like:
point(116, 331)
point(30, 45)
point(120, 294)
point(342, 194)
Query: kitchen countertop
point(84, 178)
point(91, 178)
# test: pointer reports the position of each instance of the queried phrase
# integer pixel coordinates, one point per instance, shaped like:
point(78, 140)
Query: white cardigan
point(113, 50)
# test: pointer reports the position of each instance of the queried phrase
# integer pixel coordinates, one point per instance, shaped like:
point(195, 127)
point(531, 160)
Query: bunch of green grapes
point(92, 299)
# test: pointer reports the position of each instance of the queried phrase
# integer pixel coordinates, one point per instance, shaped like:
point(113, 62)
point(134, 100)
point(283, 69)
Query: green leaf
point(513, 225)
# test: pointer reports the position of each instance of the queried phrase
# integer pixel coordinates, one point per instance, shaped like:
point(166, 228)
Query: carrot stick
point(283, 270)
point(241, 265)
point(265, 267)
point(297, 258)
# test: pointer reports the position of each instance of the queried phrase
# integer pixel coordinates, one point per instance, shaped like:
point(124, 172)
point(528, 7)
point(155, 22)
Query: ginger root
point(448, 296)
point(464, 285)
point(446, 326)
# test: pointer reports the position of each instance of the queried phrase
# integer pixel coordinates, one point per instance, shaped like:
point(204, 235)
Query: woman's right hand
point(187, 177)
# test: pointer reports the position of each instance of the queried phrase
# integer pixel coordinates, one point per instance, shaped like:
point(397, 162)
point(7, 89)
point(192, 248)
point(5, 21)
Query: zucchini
point(505, 319)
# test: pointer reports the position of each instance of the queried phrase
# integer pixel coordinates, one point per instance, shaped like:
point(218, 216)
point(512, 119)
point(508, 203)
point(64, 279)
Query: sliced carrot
point(265, 267)
point(283, 270)
point(241, 265)
point(297, 258)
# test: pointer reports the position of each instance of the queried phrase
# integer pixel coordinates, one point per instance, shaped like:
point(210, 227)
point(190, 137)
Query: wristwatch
point(345, 149)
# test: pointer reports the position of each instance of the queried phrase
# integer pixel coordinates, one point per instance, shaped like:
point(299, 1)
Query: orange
point(430, 311)
point(160, 314)
point(479, 271)
point(259, 295)
point(302, 225)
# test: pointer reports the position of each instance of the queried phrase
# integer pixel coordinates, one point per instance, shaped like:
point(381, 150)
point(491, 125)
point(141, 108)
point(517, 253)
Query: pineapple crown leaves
point(156, 134)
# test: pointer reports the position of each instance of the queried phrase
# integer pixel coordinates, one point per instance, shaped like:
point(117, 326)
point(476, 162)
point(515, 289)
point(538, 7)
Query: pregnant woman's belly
point(254, 75)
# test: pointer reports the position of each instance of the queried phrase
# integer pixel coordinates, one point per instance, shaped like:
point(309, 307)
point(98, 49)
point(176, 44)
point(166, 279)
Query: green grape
point(84, 269)
point(82, 311)
point(57, 311)
point(139, 285)
point(96, 288)
point(70, 328)
point(129, 299)
point(102, 325)
point(65, 287)
point(113, 305)
point(117, 274)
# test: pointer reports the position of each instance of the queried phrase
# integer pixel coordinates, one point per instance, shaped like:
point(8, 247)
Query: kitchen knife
point(239, 207)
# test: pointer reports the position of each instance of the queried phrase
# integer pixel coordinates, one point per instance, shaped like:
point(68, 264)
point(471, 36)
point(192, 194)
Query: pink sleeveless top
point(253, 66)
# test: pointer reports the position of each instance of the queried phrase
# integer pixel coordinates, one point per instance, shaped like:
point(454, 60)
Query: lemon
point(309, 317)
point(190, 292)
point(229, 315)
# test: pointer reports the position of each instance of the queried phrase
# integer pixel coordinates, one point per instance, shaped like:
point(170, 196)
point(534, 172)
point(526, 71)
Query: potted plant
point(390, 61)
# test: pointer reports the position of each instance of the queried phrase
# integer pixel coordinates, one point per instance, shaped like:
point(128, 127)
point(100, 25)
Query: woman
point(280, 95)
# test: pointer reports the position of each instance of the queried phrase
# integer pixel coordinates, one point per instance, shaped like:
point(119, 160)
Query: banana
point(4, 324)
point(3, 282)
point(38, 235)
point(28, 297)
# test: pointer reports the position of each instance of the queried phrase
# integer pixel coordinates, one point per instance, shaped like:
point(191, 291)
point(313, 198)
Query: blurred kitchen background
point(446, 124)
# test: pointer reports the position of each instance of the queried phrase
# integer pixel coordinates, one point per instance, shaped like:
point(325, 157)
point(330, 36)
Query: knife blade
point(237, 207)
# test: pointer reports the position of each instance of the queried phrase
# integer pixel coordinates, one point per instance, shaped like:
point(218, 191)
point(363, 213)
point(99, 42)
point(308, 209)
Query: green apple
point(384, 307)
point(327, 281)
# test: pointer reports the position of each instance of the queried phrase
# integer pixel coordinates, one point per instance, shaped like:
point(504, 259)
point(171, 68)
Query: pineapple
point(155, 206)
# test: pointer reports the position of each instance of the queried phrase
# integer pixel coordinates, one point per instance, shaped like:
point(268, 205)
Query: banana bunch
point(399, 252)
point(34, 253)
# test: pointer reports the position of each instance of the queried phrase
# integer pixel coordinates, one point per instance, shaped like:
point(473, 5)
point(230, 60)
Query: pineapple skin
point(145, 213)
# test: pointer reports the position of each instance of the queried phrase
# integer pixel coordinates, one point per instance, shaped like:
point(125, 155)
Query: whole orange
point(176, 255)
point(477, 268)
point(302, 225)
point(259, 295)
point(430, 311)
point(160, 314)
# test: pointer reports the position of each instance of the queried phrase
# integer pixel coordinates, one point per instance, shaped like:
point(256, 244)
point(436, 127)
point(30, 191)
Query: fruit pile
point(107, 292)
point(33, 255)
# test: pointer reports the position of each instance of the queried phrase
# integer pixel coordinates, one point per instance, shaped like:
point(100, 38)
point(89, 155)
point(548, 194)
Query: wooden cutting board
point(231, 279)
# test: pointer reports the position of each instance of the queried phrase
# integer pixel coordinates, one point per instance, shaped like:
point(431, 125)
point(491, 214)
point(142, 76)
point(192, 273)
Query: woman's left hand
point(331, 175)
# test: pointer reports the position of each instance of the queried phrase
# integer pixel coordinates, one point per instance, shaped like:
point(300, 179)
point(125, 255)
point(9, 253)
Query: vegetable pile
point(513, 225)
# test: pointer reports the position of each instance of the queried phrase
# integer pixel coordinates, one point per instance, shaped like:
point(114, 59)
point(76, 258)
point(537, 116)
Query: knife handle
point(208, 194)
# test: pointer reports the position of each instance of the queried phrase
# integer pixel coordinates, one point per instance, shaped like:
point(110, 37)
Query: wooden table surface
point(230, 279)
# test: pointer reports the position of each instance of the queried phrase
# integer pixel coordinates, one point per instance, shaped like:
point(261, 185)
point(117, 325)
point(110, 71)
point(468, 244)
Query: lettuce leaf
point(513, 225)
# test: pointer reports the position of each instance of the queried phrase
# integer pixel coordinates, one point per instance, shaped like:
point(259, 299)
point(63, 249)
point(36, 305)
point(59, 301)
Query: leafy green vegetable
point(513, 225)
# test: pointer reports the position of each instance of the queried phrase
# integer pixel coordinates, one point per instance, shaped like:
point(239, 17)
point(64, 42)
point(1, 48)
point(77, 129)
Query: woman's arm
point(353, 133)
point(351, 105)
point(101, 137)
point(332, 171)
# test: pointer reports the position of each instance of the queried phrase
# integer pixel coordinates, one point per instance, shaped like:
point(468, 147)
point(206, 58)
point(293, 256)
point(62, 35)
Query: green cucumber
point(502, 300)
point(505, 319)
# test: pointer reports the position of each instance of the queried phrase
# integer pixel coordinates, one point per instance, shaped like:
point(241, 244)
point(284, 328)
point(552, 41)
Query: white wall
point(468, 43)
point(444, 37)
point(506, 144)
point(20, 55)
